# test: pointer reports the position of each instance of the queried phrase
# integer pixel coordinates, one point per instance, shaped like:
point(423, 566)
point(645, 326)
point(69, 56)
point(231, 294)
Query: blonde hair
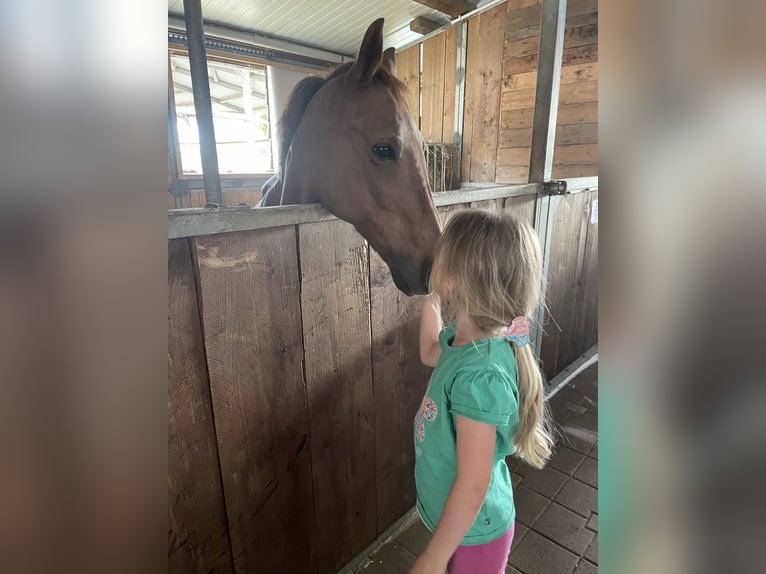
point(489, 266)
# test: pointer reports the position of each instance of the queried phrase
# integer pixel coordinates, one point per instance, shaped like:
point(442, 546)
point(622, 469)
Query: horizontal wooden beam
point(452, 8)
point(423, 25)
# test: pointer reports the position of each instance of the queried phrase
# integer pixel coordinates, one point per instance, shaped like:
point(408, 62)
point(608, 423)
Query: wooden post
point(202, 102)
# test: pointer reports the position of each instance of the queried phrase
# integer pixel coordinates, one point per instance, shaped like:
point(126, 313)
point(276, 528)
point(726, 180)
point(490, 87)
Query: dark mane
point(296, 105)
point(306, 89)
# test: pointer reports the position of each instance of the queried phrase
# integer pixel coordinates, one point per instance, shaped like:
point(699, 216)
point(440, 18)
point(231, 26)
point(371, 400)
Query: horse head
point(357, 150)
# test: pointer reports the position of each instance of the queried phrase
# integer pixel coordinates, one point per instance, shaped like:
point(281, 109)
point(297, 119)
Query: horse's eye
point(383, 152)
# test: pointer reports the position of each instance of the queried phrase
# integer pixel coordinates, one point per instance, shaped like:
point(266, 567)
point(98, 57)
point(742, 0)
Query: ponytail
point(533, 440)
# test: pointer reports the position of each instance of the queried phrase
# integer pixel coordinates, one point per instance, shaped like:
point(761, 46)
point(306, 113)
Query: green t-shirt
point(476, 381)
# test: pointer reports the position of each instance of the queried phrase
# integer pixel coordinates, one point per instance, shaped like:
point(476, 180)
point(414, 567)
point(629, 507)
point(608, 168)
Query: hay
point(439, 166)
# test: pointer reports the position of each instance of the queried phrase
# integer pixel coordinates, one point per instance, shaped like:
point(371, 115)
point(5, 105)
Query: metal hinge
point(555, 187)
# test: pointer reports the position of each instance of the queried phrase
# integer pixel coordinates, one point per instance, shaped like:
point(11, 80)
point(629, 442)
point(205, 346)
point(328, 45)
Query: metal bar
point(457, 138)
point(579, 184)
point(455, 22)
point(202, 101)
point(545, 214)
point(203, 221)
point(570, 372)
point(552, 24)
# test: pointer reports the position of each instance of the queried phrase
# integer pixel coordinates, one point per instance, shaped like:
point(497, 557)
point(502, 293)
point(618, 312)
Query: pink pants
point(489, 558)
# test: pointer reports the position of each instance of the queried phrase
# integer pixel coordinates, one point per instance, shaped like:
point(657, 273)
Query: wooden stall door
point(335, 302)
point(198, 539)
point(249, 285)
point(570, 324)
point(399, 382)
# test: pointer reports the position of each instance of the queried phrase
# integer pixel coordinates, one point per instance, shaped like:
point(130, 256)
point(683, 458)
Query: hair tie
point(518, 332)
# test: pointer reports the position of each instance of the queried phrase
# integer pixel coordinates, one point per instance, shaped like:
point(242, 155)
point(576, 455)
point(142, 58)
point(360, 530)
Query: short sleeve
point(484, 396)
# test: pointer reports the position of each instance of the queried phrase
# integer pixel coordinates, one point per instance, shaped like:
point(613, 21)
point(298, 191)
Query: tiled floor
point(556, 508)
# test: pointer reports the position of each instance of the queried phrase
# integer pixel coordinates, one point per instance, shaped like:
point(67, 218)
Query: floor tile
point(593, 522)
point(588, 472)
point(538, 555)
point(578, 497)
point(529, 505)
point(546, 482)
point(391, 559)
point(566, 459)
point(592, 553)
point(585, 567)
point(415, 538)
point(565, 527)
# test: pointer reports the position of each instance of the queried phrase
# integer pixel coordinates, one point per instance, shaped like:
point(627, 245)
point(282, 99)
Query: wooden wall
point(576, 150)
point(294, 377)
point(571, 324)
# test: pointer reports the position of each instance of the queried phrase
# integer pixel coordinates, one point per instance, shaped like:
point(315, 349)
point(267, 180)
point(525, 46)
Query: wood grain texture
point(408, 71)
point(252, 325)
point(570, 326)
point(198, 538)
point(452, 8)
point(482, 94)
point(399, 380)
point(450, 84)
point(336, 317)
point(522, 207)
point(433, 93)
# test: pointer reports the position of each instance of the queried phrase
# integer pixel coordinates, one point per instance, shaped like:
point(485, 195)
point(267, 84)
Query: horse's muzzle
point(411, 276)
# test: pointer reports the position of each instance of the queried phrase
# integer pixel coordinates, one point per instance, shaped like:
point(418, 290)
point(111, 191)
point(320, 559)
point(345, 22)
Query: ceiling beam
point(452, 8)
point(423, 25)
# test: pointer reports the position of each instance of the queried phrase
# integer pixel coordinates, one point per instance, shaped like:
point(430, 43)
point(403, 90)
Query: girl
point(485, 398)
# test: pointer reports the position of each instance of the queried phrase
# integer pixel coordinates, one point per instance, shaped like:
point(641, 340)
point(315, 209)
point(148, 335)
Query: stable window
point(240, 117)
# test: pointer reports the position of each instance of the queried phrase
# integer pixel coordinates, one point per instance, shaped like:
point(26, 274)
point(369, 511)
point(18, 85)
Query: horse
point(349, 142)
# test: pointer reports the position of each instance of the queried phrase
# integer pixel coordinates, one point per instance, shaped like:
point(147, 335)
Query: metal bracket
point(555, 188)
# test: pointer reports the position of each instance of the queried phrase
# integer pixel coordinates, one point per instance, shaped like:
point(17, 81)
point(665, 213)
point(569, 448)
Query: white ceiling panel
point(335, 25)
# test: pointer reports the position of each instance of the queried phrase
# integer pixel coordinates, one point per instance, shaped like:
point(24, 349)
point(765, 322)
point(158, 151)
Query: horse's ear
point(389, 61)
point(370, 54)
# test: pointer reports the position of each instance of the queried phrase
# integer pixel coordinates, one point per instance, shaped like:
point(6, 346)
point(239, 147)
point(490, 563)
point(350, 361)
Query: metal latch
point(555, 187)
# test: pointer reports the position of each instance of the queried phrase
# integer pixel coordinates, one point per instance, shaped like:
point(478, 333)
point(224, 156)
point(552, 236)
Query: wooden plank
point(576, 134)
point(452, 8)
point(513, 156)
point(580, 55)
point(423, 26)
point(408, 71)
point(522, 207)
point(525, 43)
point(198, 538)
point(517, 119)
point(487, 204)
point(515, 138)
point(578, 7)
point(512, 173)
point(570, 154)
point(582, 36)
point(399, 380)
point(569, 74)
point(585, 113)
point(335, 306)
point(517, 100)
point(432, 102)
point(450, 84)
point(482, 108)
point(578, 92)
point(519, 65)
point(252, 325)
point(565, 170)
point(523, 17)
